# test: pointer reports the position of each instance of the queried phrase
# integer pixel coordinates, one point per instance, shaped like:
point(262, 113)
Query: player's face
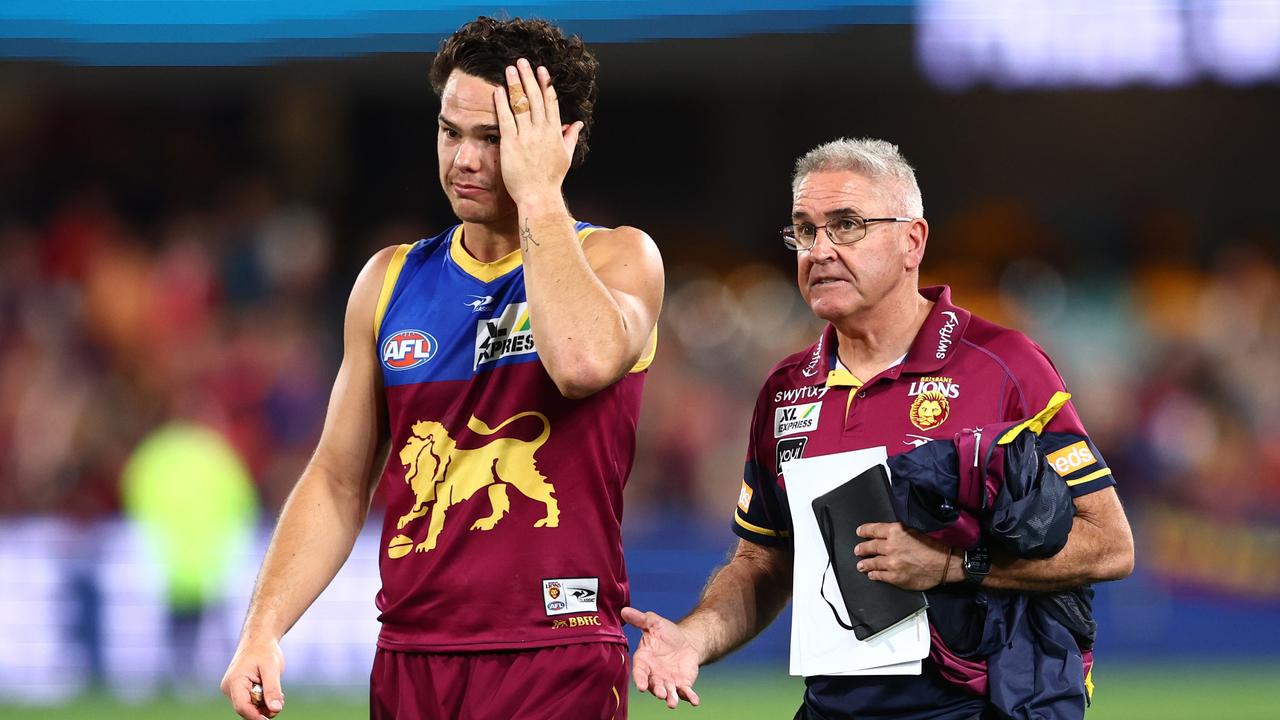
point(467, 146)
point(841, 281)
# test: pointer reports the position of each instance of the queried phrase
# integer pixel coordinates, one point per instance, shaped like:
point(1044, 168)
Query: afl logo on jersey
point(408, 349)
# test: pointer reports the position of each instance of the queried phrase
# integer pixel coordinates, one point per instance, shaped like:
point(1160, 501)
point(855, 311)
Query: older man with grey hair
point(899, 366)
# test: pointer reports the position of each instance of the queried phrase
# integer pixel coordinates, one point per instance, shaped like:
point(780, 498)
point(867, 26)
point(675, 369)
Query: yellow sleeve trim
point(584, 232)
point(1091, 476)
point(1037, 422)
point(757, 529)
point(650, 350)
point(388, 286)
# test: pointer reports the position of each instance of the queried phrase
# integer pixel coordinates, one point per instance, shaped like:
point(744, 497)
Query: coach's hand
point(255, 662)
point(666, 663)
point(901, 556)
point(536, 149)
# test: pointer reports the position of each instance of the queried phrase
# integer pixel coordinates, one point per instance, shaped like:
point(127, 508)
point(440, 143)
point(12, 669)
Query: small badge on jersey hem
point(561, 596)
point(406, 349)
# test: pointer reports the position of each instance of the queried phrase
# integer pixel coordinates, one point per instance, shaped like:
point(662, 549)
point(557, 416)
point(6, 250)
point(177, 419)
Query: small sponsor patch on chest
point(792, 419)
point(790, 449)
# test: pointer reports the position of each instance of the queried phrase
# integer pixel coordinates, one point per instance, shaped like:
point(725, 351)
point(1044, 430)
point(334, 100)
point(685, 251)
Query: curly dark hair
point(484, 48)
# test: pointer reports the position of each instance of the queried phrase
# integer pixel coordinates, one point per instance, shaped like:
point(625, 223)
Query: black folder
point(873, 606)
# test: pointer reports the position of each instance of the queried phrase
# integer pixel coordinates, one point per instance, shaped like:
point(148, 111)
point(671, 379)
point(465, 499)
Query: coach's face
point(841, 282)
point(467, 147)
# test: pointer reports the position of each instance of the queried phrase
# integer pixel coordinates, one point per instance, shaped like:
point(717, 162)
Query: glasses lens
point(849, 229)
point(789, 238)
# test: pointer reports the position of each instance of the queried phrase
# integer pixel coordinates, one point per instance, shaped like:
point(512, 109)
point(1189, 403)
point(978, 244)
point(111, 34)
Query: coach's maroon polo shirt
point(960, 372)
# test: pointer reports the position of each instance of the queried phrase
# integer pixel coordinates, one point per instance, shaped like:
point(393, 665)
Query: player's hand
point(536, 149)
point(901, 556)
point(666, 663)
point(255, 663)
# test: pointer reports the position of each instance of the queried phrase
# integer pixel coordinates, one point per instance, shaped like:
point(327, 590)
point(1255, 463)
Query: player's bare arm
point(740, 601)
point(1099, 548)
point(595, 303)
point(325, 511)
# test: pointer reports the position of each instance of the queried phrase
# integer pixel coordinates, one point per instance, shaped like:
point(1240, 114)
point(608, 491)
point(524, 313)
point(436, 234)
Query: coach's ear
point(913, 243)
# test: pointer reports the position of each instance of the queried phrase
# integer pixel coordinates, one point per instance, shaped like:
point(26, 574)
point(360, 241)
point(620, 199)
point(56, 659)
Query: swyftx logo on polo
point(506, 335)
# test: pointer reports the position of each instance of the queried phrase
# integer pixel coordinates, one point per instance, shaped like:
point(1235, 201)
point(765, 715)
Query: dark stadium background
point(183, 208)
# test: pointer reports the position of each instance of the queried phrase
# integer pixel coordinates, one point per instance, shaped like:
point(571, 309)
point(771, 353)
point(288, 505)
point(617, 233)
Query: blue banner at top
point(246, 32)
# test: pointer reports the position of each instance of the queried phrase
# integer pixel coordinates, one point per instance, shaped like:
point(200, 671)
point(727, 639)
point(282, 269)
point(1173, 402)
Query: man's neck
point(871, 343)
point(490, 242)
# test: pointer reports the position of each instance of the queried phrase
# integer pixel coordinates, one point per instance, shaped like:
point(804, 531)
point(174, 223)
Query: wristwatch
point(977, 563)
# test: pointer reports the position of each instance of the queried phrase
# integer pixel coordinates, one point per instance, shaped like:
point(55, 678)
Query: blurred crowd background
point(177, 243)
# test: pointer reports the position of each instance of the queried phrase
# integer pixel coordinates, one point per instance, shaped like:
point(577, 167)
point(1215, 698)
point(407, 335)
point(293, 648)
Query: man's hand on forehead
point(537, 148)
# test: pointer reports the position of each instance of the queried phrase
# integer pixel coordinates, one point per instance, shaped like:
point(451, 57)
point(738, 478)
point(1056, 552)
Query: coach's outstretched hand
point(255, 663)
point(666, 663)
point(536, 149)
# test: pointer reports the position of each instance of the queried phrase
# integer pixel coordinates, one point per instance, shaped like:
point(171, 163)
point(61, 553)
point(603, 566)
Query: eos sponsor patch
point(744, 497)
point(790, 449)
point(408, 349)
point(562, 596)
point(794, 419)
point(1071, 458)
point(506, 335)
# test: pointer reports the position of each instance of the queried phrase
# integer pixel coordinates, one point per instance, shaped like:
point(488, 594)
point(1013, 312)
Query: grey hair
point(876, 159)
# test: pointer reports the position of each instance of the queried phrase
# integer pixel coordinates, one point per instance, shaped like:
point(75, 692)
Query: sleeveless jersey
point(504, 498)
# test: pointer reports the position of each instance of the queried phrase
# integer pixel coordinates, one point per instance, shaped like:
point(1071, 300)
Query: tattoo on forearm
point(526, 237)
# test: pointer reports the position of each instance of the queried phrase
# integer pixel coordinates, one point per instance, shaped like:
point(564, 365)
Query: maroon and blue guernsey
point(960, 372)
point(504, 498)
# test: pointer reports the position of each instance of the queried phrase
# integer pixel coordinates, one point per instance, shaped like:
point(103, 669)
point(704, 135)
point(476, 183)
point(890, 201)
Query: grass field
point(1237, 692)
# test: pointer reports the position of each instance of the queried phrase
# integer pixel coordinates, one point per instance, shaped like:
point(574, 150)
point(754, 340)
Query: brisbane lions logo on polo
point(932, 404)
point(442, 475)
point(408, 349)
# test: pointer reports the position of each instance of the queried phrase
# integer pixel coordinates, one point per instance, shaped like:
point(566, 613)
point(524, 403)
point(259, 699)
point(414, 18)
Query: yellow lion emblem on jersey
point(929, 410)
point(442, 475)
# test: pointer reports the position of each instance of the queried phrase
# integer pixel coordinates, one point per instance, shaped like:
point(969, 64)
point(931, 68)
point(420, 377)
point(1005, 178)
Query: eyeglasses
point(844, 230)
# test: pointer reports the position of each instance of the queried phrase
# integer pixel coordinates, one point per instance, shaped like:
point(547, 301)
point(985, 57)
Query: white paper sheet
point(819, 646)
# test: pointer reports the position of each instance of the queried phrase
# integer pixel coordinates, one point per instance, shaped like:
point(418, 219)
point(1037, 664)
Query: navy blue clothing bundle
point(993, 486)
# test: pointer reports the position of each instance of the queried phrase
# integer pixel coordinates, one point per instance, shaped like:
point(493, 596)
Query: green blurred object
point(1133, 692)
point(193, 498)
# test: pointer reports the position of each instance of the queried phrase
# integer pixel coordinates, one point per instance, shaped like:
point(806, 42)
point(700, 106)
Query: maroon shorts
point(566, 681)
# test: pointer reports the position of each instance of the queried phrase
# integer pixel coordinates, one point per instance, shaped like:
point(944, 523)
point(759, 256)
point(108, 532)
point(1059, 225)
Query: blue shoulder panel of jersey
point(445, 323)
